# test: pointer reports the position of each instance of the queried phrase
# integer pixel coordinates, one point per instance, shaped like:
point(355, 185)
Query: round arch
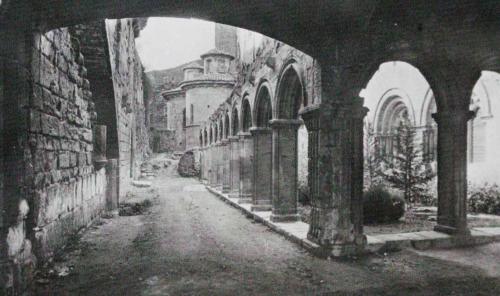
point(391, 102)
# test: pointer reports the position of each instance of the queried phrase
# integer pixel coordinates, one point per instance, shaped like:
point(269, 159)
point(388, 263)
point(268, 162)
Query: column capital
point(260, 130)
point(285, 123)
point(455, 116)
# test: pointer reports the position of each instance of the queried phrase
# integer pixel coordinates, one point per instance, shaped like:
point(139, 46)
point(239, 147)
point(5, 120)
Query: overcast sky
point(168, 42)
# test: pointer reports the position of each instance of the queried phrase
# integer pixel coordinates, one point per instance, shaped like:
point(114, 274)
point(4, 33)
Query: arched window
point(392, 115)
point(264, 111)
point(191, 110)
point(226, 126)
point(184, 117)
point(235, 122)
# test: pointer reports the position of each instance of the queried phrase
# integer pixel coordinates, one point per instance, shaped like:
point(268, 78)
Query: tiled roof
point(216, 51)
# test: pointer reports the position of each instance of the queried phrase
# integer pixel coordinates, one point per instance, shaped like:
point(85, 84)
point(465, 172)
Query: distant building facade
point(206, 84)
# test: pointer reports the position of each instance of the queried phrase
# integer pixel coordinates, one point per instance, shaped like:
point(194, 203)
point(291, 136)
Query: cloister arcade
point(250, 144)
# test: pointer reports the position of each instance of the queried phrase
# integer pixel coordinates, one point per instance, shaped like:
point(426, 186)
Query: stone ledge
point(296, 232)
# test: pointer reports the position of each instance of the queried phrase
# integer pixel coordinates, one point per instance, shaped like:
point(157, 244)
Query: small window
point(192, 113)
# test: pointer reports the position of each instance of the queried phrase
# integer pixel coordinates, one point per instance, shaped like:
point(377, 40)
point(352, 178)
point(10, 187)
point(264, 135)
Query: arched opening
point(483, 139)
point(246, 116)
point(286, 165)
point(235, 122)
point(263, 108)
point(221, 129)
point(216, 133)
point(211, 136)
point(399, 147)
point(290, 94)
point(226, 126)
point(205, 136)
point(246, 154)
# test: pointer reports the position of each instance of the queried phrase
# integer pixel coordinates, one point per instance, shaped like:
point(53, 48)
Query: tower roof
point(216, 52)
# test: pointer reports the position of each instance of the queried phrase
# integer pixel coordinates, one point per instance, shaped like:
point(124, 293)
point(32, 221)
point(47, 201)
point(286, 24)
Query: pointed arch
point(263, 112)
point(235, 122)
point(290, 92)
point(226, 125)
point(246, 114)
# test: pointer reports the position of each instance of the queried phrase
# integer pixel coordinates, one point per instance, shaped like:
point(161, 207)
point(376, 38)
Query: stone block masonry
point(66, 190)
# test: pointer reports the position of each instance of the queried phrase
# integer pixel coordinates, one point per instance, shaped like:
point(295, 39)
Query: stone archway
point(263, 140)
point(289, 99)
point(246, 153)
point(234, 146)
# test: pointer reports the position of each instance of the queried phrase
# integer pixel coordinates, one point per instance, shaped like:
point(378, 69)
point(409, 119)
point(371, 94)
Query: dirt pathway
point(191, 243)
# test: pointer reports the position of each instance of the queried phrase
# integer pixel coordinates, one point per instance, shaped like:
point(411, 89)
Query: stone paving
point(421, 240)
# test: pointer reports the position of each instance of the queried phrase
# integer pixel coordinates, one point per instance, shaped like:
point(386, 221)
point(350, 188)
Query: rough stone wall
point(67, 191)
point(126, 67)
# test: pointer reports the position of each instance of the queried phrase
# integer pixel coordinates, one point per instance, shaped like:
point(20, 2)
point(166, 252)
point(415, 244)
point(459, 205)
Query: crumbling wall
point(127, 71)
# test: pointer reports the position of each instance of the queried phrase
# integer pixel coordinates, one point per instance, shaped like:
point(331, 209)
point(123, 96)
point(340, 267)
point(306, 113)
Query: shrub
point(380, 206)
point(187, 166)
point(484, 199)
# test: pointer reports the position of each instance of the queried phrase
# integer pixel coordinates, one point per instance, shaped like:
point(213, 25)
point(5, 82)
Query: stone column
point(336, 177)
point(203, 163)
point(218, 165)
point(452, 171)
point(284, 174)
point(234, 166)
point(262, 169)
point(212, 172)
point(112, 184)
point(246, 167)
point(226, 176)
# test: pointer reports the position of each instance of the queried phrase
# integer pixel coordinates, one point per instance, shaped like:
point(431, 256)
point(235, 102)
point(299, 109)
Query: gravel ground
point(191, 243)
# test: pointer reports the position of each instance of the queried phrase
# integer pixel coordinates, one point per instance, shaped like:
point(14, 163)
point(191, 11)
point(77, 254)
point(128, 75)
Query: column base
point(353, 248)
point(451, 230)
point(350, 249)
point(261, 207)
point(285, 217)
point(226, 189)
point(218, 187)
point(245, 199)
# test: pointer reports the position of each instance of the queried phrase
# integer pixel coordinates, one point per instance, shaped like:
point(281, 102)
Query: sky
point(168, 42)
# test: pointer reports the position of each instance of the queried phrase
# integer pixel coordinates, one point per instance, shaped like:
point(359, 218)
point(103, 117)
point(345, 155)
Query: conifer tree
point(371, 161)
point(406, 169)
